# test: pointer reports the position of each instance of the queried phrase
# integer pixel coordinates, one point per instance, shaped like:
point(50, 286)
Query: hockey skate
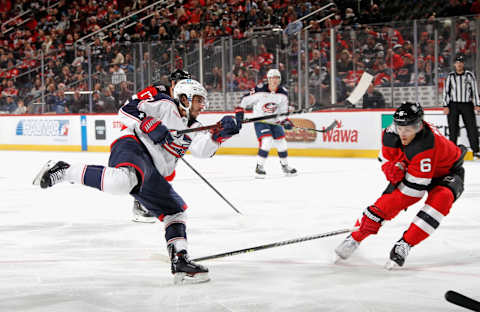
point(476, 156)
point(289, 171)
point(141, 214)
point(53, 172)
point(260, 172)
point(398, 254)
point(184, 270)
point(346, 248)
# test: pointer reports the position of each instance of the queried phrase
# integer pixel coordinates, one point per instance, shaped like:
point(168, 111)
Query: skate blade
point(186, 279)
point(45, 168)
point(291, 174)
point(392, 265)
point(141, 219)
point(259, 176)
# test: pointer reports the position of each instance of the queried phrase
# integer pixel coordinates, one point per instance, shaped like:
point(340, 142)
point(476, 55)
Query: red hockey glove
point(154, 129)
point(287, 124)
point(394, 171)
point(228, 127)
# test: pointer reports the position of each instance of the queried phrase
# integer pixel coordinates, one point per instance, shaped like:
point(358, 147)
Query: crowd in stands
point(33, 31)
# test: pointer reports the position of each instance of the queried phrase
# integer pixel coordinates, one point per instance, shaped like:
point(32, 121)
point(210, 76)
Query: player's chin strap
point(260, 118)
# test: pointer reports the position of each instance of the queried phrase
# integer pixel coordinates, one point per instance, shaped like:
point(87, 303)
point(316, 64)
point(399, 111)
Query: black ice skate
point(289, 171)
point(398, 254)
point(141, 214)
point(184, 270)
point(260, 172)
point(53, 172)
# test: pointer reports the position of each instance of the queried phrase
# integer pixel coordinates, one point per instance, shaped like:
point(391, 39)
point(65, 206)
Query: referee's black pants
point(469, 119)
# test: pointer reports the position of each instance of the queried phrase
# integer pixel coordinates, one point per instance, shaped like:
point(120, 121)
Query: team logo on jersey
point(269, 107)
point(179, 146)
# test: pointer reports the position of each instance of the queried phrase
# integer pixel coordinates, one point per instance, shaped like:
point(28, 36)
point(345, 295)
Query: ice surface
point(72, 248)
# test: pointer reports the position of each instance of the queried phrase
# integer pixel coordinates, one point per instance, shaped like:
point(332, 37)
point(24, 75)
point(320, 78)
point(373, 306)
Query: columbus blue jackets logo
point(179, 146)
point(269, 107)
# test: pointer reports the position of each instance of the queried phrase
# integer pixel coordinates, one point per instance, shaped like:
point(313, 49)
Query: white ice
point(73, 248)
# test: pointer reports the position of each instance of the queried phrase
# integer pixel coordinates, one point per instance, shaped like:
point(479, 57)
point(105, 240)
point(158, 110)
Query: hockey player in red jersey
point(416, 159)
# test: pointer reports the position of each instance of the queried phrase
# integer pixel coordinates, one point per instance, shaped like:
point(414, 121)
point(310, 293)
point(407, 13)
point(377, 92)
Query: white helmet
point(190, 88)
point(274, 73)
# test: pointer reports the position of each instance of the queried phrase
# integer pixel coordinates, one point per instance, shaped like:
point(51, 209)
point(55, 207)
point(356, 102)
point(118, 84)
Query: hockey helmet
point(179, 75)
point(274, 73)
point(407, 114)
point(189, 88)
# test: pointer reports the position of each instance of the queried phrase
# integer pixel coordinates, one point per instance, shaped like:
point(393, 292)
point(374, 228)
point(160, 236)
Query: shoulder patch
point(424, 140)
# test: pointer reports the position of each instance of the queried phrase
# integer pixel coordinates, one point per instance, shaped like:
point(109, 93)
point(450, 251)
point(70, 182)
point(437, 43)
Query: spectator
point(61, 102)
point(373, 98)
point(78, 104)
point(10, 105)
point(20, 109)
point(118, 75)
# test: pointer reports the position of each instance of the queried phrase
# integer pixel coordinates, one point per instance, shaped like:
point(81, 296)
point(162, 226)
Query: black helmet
point(179, 75)
point(408, 113)
point(460, 58)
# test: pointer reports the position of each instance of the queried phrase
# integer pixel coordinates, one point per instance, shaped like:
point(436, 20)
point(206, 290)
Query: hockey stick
point(461, 300)
point(213, 188)
point(246, 120)
point(273, 245)
point(330, 127)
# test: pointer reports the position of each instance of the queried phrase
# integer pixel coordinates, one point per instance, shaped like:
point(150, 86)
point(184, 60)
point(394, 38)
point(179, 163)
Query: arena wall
point(358, 133)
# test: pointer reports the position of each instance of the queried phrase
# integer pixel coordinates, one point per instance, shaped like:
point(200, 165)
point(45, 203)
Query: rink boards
point(358, 133)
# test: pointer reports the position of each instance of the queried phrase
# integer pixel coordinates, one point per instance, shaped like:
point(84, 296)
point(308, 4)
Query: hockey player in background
point(140, 213)
point(143, 159)
point(266, 100)
point(416, 159)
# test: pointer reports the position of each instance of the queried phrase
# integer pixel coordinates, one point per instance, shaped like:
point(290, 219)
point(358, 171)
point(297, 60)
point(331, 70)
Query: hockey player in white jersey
point(140, 213)
point(266, 100)
point(143, 159)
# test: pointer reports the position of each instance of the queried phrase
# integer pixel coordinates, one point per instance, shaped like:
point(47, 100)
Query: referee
point(460, 97)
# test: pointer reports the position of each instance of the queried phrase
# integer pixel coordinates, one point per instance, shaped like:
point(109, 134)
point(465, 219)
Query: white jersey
point(266, 102)
point(162, 107)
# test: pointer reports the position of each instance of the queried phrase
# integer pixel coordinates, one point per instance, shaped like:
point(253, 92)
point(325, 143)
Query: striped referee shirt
point(460, 88)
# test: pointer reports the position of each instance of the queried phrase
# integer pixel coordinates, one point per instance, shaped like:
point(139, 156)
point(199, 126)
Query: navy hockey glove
point(239, 116)
point(228, 127)
point(287, 124)
point(154, 129)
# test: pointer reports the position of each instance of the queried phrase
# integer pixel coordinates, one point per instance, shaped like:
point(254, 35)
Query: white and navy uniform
point(266, 102)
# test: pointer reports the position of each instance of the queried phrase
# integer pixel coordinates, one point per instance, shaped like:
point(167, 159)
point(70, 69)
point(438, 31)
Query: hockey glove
point(177, 145)
point(287, 124)
point(394, 171)
point(228, 127)
point(154, 129)
point(239, 116)
point(371, 221)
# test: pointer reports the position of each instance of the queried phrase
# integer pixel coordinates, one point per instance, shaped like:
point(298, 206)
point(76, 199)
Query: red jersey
point(430, 155)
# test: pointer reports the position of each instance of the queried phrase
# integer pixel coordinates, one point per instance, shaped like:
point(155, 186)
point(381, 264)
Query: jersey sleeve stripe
point(416, 180)
point(409, 191)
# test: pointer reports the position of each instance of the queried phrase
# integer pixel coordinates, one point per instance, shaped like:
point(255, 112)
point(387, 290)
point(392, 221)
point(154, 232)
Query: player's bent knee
point(266, 143)
point(118, 181)
point(281, 144)
point(441, 198)
point(371, 221)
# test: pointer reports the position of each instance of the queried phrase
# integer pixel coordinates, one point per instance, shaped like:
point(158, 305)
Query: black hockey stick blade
point(461, 300)
point(273, 245)
point(247, 120)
